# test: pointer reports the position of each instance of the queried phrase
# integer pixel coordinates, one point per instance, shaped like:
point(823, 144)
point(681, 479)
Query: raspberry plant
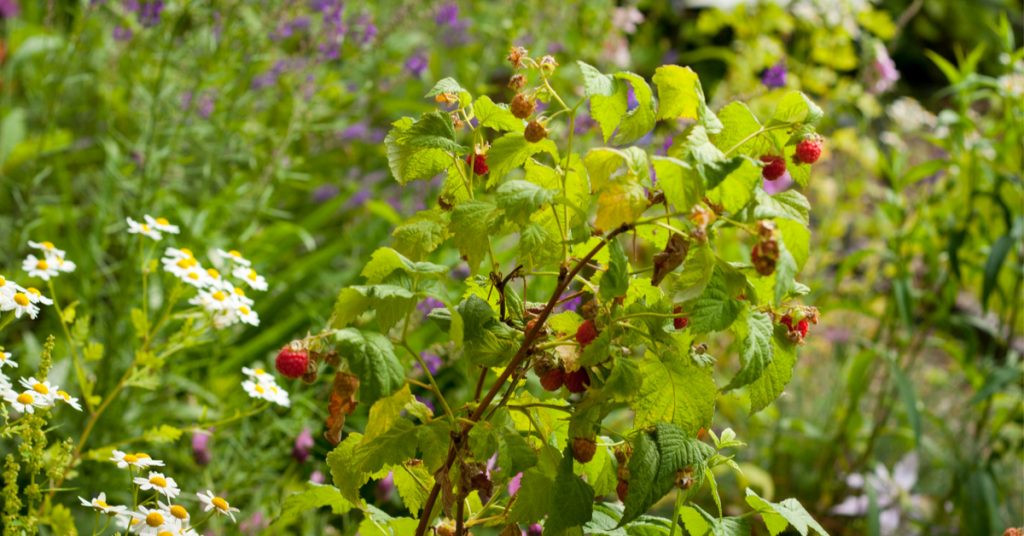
point(564, 410)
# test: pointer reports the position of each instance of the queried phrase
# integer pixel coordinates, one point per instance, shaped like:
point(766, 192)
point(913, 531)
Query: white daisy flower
point(5, 384)
point(195, 276)
point(247, 315)
point(6, 361)
point(62, 264)
point(161, 224)
point(178, 512)
point(9, 288)
point(239, 294)
point(214, 276)
point(139, 459)
point(37, 297)
point(251, 278)
point(179, 253)
point(47, 248)
point(39, 267)
point(219, 504)
point(68, 399)
point(145, 229)
point(22, 305)
point(234, 256)
point(258, 374)
point(266, 391)
point(180, 266)
point(43, 389)
point(213, 301)
point(24, 402)
point(99, 503)
point(224, 319)
point(153, 522)
point(159, 483)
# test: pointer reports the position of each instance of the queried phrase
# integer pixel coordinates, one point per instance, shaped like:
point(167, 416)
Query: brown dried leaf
point(342, 403)
point(670, 259)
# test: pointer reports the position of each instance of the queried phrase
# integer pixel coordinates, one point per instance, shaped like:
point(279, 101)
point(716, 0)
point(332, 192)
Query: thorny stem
point(458, 439)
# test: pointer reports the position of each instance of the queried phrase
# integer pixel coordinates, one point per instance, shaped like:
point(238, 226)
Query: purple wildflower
point(573, 304)
point(775, 76)
point(333, 28)
point(583, 124)
point(325, 193)
point(9, 9)
point(631, 102)
point(120, 33)
point(460, 272)
point(432, 360)
point(356, 131)
point(303, 445)
point(428, 304)
point(447, 15)
point(778, 185)
point(131, 6)
point(149, 13)
point(316, 477)
point(515, 484)
point(201, 447)
point(369, 29)
point(256, 523)
point(881, 75)
point(535, 530)
point(206, 103)
point(385, 487)
point(416, 64)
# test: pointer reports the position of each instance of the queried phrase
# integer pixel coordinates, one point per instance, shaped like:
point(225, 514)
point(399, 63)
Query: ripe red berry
point(583, 449)
point(775, 167)
point(479, 162)
point(808, 151)
point(622, 489)
point(291, 362)
point(802, 326)
point(553, 379)
point(577, 380)
point(586, 333)
point(680, 322)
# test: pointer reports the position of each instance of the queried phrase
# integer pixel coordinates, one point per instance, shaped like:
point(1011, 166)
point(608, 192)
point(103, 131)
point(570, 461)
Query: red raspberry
point(622, 489)
point(577, 381)
point(291, 362)
point(553, 379)
point(802, 327)
point(680, 322)
point(775, 167)
point(479, 162)
point(808, 151)
point(586, 333)
point(583, 449)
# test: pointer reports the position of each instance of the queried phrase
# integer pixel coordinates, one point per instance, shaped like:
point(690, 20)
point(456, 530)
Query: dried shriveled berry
point(522, 106)
point(764, 256)
point(535, 132)
point(583, 449)
point(622, 489)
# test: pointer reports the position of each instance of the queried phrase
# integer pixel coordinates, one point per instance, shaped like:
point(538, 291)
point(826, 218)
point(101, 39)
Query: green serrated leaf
point(468, 220)
point(615, 280)
point(371, 357)
point(756, 352)
point(674, 391)
point(678, 92)
point(313, 497)
point(778, 516)
point(715, 309)
point(511, 151)
point(495, 116)
point(520, 199)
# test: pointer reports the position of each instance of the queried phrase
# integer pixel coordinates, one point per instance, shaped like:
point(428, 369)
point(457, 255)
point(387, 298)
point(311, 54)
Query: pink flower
point(303, 444)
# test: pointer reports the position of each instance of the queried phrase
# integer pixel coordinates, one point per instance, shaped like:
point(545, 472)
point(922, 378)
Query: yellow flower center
point(239, 291)
point(252, 275)
point(158, 481)
point(142, 455)
point(187, 262)
point(219, 295)
point(131, 458)
point(101, 503)
point(193, 276)
point(260, 389)
point(221, 504)
point(63, 394)
point(41, 264)
point(259, 372)
point(187, 252)
point(154, 519)
point(145, 227)
point(21, 299)
point(3, 281)
point(34, 291)
point(179, 511)
point(213, 273)
point(165, 533)
point(245, 310)
point(235, 253)
point(47, 244)
point(163, 221)
point(24, 398)
point(41, 388)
